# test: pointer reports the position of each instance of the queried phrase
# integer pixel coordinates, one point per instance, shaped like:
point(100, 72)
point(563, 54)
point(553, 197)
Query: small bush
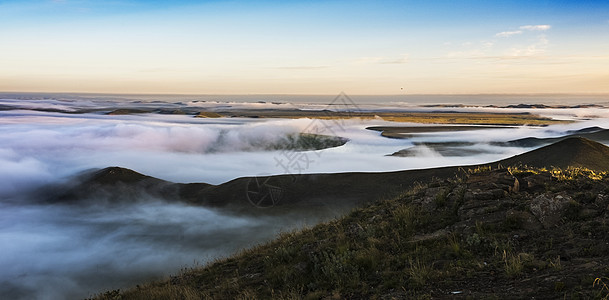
point(513, 264)
point(419, 272)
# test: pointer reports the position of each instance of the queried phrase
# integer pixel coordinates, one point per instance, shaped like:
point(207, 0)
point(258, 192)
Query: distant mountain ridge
point(317, 193)
point(593, 133)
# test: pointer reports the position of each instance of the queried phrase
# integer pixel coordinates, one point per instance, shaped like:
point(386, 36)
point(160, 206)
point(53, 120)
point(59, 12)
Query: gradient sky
point(304, 47)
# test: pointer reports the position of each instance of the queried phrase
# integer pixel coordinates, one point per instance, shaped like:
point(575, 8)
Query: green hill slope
point(505, 233)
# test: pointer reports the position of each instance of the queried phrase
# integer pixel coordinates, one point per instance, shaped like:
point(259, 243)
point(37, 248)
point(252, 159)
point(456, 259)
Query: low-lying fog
point(59, 251)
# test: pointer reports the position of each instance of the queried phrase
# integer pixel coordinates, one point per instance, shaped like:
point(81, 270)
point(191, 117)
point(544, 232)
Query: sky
point(304, 47)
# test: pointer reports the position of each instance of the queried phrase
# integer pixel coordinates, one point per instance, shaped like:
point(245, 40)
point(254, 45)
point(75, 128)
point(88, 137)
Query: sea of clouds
point(61, 251)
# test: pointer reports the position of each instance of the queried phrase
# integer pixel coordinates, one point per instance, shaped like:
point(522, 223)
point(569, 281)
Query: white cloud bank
point(523, 28)
point(72, 252)
point(535, 27)
point(508, 33)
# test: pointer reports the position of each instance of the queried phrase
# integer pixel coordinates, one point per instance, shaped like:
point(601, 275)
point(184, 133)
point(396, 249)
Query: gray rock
point(549, 209)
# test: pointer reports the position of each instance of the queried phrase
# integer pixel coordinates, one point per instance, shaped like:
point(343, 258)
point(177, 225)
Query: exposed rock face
point(534, 182)
point(549, 209)
point(602, 201)
point(491, 185)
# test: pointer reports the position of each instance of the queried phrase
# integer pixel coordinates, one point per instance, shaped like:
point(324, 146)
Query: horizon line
point(314, 94)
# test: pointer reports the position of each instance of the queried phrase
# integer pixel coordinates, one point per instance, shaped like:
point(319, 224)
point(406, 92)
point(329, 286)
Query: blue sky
point(305, 47)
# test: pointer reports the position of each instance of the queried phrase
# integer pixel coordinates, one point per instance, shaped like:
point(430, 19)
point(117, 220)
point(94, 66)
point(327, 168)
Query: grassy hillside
point(503, 233)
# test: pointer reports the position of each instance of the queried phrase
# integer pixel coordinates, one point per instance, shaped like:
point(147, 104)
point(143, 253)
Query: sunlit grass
point(573, 173)
point(601, 283)
point(471, 118)
point(568, 174)
point(421, 117)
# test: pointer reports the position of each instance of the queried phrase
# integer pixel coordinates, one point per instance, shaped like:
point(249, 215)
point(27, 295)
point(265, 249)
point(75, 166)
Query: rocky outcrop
point(549, 209)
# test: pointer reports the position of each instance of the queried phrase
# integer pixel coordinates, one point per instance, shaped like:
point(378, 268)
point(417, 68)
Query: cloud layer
point(522, 29)
point(74, 251)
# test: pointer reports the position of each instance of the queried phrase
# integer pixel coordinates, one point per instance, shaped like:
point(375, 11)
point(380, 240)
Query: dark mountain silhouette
point(114, 175)
point(110, 185)
point(586, 130)
point(593, 133)
point(331, 194)
point(570, 152)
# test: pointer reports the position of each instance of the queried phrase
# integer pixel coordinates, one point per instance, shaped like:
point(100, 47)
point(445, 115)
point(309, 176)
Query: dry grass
point(568, 174)
point(513, 263)
point(420, 117)
point(470, 118)
point(600, 282)
point(208, 114)
point(573, 173)
point(420, 272)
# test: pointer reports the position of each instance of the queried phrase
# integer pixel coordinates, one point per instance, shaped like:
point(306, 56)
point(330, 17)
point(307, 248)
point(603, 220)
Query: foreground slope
point(503, 233)
point(517, 232)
